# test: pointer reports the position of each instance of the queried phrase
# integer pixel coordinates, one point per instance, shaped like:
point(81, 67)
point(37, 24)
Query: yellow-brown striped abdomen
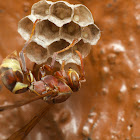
point(12, 75)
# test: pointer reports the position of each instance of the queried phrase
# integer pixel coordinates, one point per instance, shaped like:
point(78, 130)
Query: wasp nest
point(60, 23)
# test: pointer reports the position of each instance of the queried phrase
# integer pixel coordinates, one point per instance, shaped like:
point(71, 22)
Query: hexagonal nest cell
point(25, 27)
point(47, 31)
point(59, 24)
point(36, 53)
point(41, 9)
point(82, 15)
point(57, 46)
point(61, 13)
point(91, 34)
point(83, 48)
point(70, 31)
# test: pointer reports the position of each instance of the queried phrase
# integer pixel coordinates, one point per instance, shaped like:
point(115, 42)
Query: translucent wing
point(21, 103)
point(23, 132)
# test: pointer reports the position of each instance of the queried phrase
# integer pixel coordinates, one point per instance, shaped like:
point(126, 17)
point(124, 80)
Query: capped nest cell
point(59, 24)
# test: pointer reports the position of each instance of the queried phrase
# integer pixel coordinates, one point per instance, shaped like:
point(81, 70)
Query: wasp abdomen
point(11, 74)
point(8, 79)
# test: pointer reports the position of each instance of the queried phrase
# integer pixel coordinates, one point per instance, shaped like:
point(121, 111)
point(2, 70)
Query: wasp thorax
point(60, 23)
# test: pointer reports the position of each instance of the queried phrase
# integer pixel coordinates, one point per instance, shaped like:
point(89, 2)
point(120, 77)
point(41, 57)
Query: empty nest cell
point(47, 31)
point(83, 48)
point(41, 9)
point(25, 27)
point(61, 13)
point(90, 34)
point(57, 46)
point(82, 15)
point(36, 53)
point(70, 31)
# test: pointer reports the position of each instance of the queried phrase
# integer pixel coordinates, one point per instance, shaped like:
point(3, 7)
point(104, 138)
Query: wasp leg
point(65, 49)
point(63, 70)
point(81, 68)
point(45, 70)
point(23, 63)
point(53, 60)
point(21, 54)
point(70, 46)
point(62, 73)
point(48, 68)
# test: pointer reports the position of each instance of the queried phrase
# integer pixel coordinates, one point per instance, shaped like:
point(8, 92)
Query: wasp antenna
point(21, 54)
point(21, 103)
point(33, 29)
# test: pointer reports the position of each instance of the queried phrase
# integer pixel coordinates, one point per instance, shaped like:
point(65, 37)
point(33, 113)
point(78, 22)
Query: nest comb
point(60, 23)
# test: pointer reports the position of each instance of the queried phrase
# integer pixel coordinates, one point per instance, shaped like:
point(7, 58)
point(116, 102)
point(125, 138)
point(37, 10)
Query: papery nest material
point(60, 23)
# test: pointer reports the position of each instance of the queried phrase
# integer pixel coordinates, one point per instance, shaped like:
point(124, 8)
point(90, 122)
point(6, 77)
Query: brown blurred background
point(108, 105)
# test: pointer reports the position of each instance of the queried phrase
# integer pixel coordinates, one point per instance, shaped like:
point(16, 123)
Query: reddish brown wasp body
point(59, 83)
point(54, 88)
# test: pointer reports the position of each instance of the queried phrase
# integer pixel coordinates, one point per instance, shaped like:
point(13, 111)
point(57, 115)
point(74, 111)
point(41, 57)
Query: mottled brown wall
point(108, 104)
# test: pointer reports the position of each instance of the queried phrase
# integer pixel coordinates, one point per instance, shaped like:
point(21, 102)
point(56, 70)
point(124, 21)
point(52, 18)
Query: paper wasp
point(54, 88)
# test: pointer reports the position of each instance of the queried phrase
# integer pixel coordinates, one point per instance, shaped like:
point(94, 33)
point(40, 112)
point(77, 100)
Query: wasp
point(54, 88)
point(60, 82)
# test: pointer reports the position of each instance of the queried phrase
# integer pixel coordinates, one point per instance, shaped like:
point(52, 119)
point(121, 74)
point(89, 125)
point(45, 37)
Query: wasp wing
point(24, 131)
